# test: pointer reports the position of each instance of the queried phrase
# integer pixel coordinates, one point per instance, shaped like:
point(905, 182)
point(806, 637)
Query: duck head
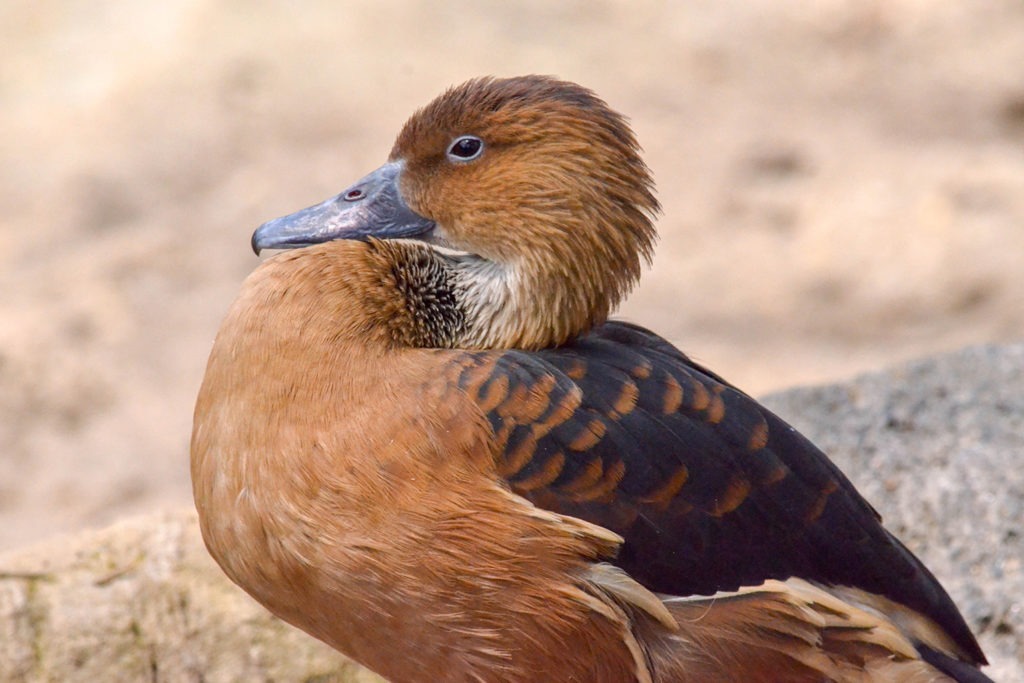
point(522, 202)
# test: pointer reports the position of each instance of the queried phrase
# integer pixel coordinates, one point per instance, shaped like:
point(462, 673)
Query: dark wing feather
point(710, 490)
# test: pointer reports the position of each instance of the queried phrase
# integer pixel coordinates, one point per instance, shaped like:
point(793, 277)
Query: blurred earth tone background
point(843, 188)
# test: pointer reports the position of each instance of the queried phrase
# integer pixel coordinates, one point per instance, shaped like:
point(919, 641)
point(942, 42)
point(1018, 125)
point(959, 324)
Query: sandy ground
point(843, 184)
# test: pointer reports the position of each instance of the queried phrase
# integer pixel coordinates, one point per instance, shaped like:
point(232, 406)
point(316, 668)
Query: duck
point(422, 439)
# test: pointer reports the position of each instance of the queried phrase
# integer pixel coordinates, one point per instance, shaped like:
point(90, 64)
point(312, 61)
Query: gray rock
point(937, 446)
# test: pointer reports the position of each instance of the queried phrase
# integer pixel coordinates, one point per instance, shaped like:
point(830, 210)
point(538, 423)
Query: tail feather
point(961, 672)
point(789, 632)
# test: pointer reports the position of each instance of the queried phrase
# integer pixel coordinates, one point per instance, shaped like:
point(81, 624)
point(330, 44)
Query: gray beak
point(373, 207)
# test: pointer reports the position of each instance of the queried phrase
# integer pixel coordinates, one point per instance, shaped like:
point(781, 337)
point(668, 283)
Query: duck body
point(419, 439)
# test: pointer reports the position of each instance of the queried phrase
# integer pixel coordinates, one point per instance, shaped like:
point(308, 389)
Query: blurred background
point(843, 188)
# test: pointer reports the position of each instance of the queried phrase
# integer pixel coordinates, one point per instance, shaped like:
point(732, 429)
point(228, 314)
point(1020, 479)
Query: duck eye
point(465, 148)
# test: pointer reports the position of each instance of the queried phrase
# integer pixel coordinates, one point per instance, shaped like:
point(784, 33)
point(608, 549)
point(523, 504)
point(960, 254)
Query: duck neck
point(459, 300)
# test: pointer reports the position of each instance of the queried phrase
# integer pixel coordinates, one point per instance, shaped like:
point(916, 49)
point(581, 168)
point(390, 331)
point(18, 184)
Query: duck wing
point(710, 490)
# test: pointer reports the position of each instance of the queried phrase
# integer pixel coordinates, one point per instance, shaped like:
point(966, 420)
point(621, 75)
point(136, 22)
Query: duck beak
point(373, 207)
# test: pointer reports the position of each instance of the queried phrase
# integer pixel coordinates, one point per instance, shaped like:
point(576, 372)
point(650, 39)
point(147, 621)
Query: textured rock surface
point(142, 601)
point(936, 445)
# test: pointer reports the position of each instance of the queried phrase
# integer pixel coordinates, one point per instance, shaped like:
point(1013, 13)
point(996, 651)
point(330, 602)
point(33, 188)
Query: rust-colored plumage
point(420, 440)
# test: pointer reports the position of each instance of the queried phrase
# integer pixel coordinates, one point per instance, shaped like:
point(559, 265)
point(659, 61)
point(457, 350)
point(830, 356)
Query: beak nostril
point(354, 195)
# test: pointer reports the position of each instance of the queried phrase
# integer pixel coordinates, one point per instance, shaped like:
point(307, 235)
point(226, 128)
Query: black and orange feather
point(709, 490)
